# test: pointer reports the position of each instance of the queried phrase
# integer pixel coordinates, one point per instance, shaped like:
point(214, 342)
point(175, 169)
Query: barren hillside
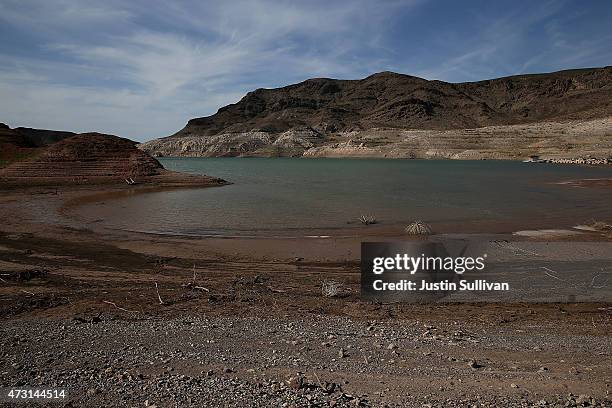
point(82, 157)
point(323, 114)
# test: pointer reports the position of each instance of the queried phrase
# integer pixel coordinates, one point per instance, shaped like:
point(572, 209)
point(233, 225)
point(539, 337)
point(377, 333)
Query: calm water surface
point(327, 194)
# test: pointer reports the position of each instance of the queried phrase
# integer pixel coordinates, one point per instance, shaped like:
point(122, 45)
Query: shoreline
point(349, 229)
point(74, 196)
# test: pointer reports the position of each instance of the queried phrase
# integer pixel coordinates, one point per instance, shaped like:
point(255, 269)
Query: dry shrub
point(331, 288)
point(367, 219)
point(418, 228)
point(601, 226)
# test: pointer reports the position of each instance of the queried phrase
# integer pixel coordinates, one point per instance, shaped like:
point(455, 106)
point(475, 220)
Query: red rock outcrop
point(86, 157)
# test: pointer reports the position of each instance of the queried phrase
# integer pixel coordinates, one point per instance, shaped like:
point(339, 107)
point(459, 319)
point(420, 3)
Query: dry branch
point(271, 289)
point(161, 302)
point(118, 307)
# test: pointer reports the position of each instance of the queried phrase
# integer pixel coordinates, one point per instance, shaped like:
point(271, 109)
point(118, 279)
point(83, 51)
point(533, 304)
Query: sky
point(142, 68)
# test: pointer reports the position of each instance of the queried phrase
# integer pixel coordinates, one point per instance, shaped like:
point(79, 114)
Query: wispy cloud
point(143, 68)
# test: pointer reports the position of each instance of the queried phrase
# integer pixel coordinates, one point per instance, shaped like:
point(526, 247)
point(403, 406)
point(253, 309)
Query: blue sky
point(142, 68)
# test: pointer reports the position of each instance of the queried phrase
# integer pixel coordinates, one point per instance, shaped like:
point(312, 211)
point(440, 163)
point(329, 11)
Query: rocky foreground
point(306, 362)
point(564, 114)
point(181, 322)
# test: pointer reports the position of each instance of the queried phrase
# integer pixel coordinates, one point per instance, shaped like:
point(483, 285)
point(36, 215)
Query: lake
point(286, 196)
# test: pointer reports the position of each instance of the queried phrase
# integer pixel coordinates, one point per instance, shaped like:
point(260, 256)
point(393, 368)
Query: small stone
point(513, 385)
point(473, 364)
point(297, 382)
point(391, 346)
point(583, 400)
point(342, 353)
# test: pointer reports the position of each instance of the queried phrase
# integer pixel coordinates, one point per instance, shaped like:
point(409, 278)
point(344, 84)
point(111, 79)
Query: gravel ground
point(326, 361)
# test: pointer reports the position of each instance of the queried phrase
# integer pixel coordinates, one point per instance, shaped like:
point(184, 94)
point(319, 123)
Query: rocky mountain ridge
point(30, 137)
point(318, 116)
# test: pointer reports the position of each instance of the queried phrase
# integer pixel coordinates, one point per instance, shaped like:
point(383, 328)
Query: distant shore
point(165, 179)
point(554, 141)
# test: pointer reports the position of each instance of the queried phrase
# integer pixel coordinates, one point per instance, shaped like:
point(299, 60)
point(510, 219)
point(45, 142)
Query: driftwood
point(271, 289)
point(192, 284)
point(118, 307)
point(161, 302)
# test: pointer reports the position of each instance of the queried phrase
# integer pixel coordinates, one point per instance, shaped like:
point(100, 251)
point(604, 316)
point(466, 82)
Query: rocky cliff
point(395, 115)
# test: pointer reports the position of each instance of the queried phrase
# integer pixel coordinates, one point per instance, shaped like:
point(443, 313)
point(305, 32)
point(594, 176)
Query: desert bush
point(367, 219)
point(601, 226)
point(418, 228)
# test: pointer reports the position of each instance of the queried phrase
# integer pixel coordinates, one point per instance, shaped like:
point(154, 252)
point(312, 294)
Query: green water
point(330, 194)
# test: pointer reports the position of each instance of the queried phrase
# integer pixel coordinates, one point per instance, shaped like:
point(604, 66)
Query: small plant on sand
point(367, 219)
point(418, 228)
point(330, 288)
point(601, 226)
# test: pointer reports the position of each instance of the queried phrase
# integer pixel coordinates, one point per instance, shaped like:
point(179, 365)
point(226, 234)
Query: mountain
point(9, 137)
point(42, 137)
point(29, 137)
point(13, 145)
point(395, 115)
